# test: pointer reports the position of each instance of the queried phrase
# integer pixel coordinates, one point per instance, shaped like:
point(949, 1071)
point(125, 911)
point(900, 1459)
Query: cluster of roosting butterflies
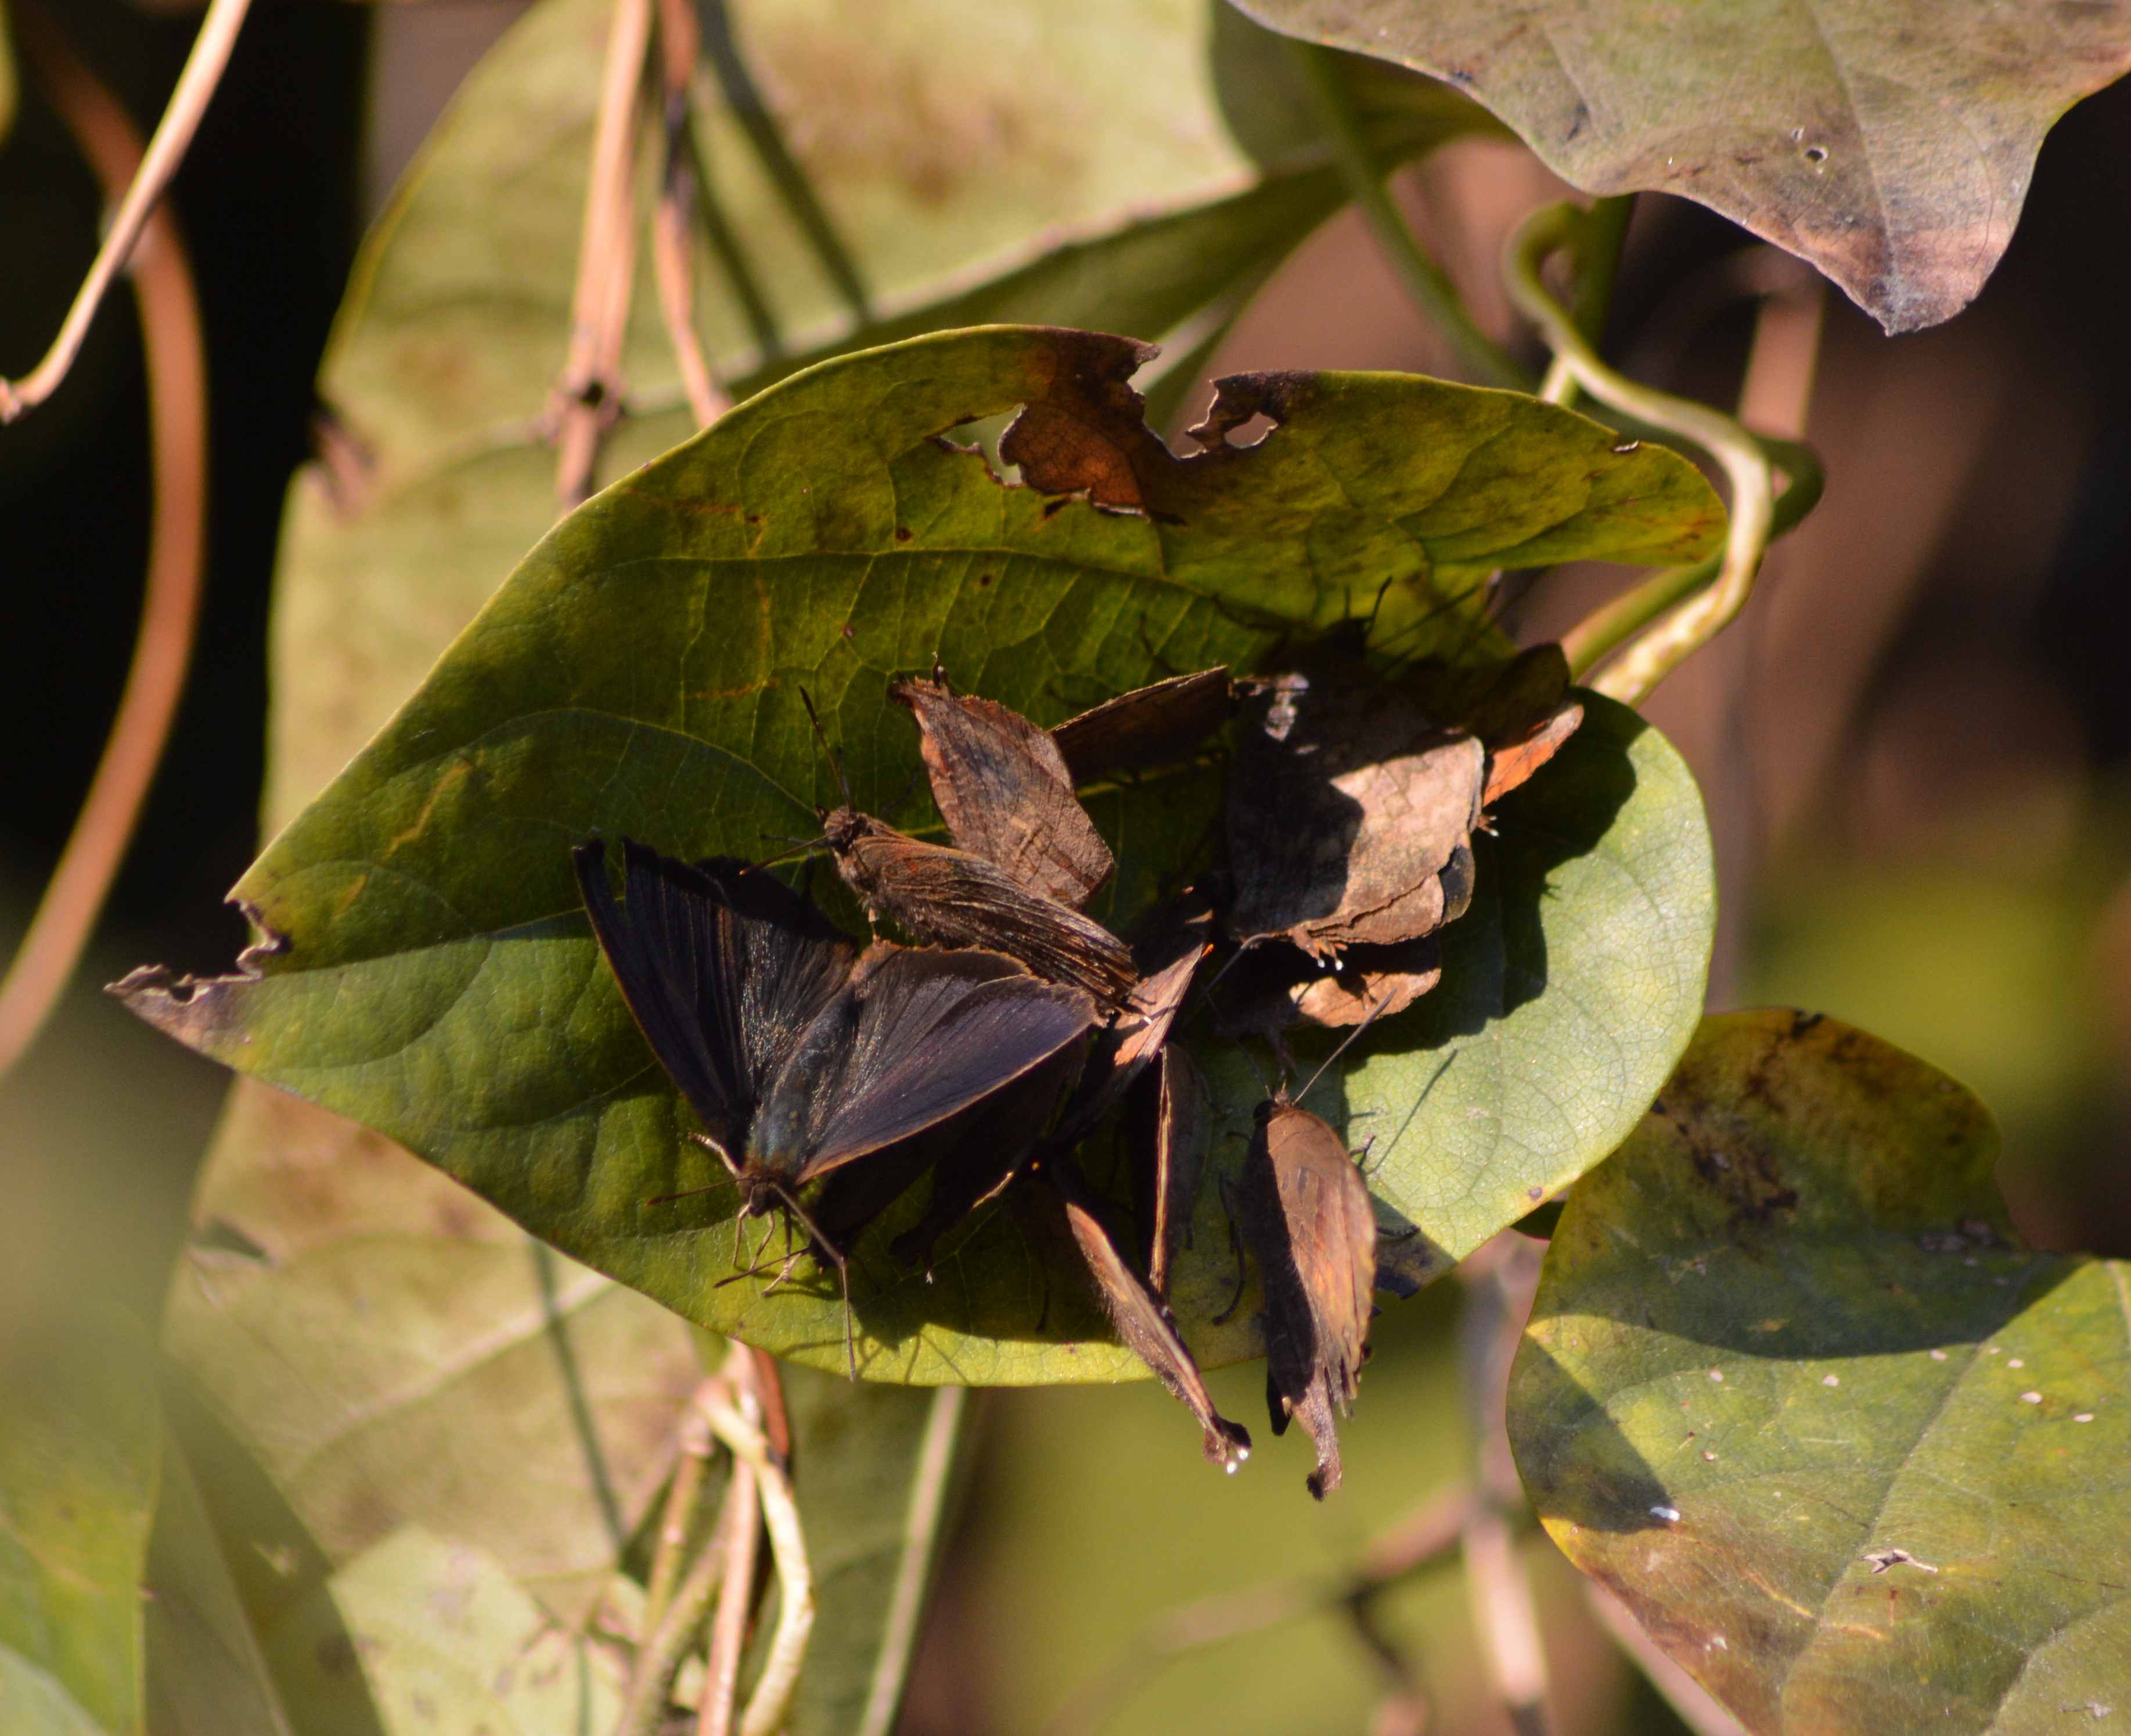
point(987, 1054)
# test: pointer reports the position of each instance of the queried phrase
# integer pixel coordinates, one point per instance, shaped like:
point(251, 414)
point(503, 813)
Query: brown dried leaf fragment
point(1350, 810)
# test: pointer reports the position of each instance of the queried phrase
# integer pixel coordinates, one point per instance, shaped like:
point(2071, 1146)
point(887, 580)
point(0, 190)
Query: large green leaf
point(1110, 197)
point(1855, 1458)
point(640, 674)
point(81, 1440)
point(382, 1344)
point(1890, 142)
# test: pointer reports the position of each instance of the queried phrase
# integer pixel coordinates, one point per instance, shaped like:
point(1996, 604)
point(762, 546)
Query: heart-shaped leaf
point(80, 1454)
point(1891, 144)
point(430, 972)
point(1790, 1389)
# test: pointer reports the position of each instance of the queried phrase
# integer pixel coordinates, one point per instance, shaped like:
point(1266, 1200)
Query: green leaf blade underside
point(80, 1460)
point(366, 1338)
point(1891, 144)
point(640, 676)
point(1790, 1312)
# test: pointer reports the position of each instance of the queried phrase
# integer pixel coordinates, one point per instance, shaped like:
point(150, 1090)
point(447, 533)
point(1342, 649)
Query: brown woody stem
point(175, 358)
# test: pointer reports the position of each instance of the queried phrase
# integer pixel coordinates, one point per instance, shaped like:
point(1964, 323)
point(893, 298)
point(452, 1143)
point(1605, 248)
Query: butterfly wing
point(1142, 1322)
point(1005, 793)
point(1146, 726)
point(934, 1033)
point(958, 898)
point(693, 970)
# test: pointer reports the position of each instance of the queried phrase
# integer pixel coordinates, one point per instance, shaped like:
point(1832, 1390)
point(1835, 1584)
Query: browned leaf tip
point(1350, 810)
point(204, 1013)
point(1087, 434)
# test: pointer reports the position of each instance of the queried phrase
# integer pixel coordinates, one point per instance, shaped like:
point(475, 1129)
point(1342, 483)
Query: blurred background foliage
point(1914, 748)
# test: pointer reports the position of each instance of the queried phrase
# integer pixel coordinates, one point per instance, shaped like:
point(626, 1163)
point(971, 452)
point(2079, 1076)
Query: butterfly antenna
point(835, 759)
point(1368, 1019)
point(794, 847)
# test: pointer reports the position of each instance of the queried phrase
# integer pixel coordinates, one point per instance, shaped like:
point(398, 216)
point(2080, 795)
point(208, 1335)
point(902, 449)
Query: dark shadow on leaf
point(1495, 957)
point(1568, 1447)
point(275, 1562)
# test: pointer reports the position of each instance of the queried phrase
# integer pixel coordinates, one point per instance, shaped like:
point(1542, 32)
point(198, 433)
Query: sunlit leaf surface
point(1891, 144)
point(1792, 1390)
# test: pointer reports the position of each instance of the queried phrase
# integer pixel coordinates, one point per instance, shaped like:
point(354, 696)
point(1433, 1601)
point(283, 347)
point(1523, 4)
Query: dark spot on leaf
point(336, 1655)
point(1816, 153)
point(902, 533)
point(850, 632)
point(983, 580)
point(1801, 1022)
point(1054, 505)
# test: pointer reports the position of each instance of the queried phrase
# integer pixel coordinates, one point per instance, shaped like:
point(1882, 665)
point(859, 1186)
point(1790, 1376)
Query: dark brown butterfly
point(1142, 1323)
point(1307, 1216)
point(1002, 788)
point(1168, 1117)
point(960, 899)
point(1146, 726)
point(798, 1055)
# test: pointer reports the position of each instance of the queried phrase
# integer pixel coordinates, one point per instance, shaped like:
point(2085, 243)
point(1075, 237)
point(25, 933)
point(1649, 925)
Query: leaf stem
point(1425, 281)
point(1705, 612)
point(677, 1521)
point(739, 1538)
point(144, 185)
point(740, 1530)
point(921, 1531)
point(587, 398)
point(1608, 628)
point(779, 1680)
point(1693, 1705)
point(1600, 232)
point(1500, 1281)
point(175, 359)
point(673, 227)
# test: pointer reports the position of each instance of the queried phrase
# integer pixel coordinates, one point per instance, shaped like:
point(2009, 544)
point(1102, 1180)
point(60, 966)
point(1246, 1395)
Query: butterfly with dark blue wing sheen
point(798, 1053)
